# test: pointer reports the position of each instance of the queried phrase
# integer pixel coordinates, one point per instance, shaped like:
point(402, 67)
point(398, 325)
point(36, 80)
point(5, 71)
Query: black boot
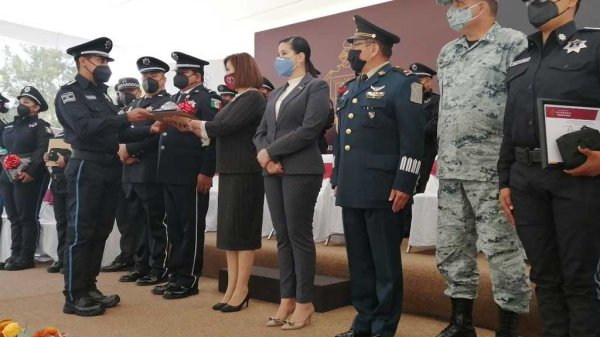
point(461, 322)
point(20, 263)
point(508, 323)
point(106, 301)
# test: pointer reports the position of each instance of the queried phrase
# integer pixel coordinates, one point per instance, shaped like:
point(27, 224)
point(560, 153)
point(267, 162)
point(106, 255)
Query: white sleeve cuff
point(203, 135)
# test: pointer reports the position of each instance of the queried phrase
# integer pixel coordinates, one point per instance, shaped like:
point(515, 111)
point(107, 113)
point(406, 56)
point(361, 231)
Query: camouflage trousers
point(469, 221)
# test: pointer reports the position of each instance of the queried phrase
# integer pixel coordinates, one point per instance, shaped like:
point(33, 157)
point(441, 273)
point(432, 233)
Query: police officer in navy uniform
point(227, 95)
point(58, 186)
point(378, 152)
point(431, 102)
point(94, 130)
point(186, 168)
point(556, 214)
point(27, 137)
point(144, 196)
point(128, 217)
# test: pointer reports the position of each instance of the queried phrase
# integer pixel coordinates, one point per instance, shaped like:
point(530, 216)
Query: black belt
point(102, 158)
point(528, 156)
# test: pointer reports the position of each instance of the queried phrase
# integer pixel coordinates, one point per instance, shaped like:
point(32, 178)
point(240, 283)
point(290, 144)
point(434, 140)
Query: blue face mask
point(458, 18)
point(284, 66)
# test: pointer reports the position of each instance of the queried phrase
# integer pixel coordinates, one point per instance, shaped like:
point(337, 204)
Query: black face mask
point(150, 85)
point(540, 13)
point(125, 99)
point(23, 110)
point(101, 74)
point(181, 81)
point(355, 62)
point(3, 109)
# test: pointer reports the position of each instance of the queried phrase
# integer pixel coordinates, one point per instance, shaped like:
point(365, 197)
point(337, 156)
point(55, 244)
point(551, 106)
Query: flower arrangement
point(10, 328)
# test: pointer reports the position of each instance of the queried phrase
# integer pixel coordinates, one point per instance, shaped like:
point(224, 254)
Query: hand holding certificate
point(559, 118)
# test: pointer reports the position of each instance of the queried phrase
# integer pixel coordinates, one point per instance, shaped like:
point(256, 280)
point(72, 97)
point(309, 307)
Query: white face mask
point(458, 18)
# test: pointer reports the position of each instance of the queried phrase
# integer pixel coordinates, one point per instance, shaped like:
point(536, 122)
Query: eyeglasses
point(357, 45)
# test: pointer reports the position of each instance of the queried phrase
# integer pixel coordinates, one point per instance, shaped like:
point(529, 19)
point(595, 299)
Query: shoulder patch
point(215, 104)
point(68, 97)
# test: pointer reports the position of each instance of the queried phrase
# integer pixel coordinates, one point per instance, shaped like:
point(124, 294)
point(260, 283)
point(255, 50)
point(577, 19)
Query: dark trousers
point(128, 224)
point(291, 200)
point(146, 209)
point(22, 202)
point(93, 191)
point(186, 213)
point(373, 238)
point(558, 221)
point(60, 215)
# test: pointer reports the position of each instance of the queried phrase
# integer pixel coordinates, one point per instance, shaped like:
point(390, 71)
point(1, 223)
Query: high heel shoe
point(218, 306)
point(296, 325)
point(276, 322)
point(231, 308)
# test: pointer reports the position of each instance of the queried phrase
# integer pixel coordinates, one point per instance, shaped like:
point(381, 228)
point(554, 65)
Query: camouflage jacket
point(474, 93)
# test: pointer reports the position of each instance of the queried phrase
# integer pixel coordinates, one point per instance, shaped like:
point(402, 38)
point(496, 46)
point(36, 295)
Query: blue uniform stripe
point(70, 285)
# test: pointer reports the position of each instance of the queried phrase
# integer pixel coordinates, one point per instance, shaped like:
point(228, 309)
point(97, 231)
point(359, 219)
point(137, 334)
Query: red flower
point(342, 89)
point(186, 106)
point(12, 161)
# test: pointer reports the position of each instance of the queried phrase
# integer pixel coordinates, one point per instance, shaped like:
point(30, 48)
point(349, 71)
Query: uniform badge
point(376, 93)
point(414, 67)
point(33, 125)
point(91, 97)
point(562, 37)
point(575, 46)
point(416, 93)
point(174, 56)
point(517, 62)
point(215, 104)
point(146, 61)
point(371, 114)
point(108, 44)
point(381, 73)
point(67, 97)
point(27, 89)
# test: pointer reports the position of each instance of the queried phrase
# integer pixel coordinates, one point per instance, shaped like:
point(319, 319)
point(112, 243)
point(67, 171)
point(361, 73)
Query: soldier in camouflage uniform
point(472, 70)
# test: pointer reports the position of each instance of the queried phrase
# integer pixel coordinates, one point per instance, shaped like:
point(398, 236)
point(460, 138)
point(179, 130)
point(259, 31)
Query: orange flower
point(47, 332)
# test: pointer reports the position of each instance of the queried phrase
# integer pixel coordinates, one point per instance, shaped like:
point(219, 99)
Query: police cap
point(35, 95)
point(98, 47)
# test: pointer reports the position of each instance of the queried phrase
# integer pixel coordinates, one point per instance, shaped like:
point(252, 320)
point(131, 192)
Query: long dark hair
point(300, 45)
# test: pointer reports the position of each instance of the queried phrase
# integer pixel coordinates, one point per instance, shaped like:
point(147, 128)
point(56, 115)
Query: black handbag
point(568, 145)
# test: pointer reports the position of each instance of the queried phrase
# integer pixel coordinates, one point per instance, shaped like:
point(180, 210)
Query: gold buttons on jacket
point(348, 131)
point(347, 147)
point(355, 100)
point(350, 115)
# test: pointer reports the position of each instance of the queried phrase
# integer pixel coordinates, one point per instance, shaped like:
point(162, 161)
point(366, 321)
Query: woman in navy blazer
point(288, 151)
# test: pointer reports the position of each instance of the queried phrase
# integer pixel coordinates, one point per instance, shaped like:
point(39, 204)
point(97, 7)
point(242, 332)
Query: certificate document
point(557, 118)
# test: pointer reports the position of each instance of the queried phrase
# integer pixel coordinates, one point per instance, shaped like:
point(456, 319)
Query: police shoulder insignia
point(68, 97)
point(416, 93)
point(404, 72)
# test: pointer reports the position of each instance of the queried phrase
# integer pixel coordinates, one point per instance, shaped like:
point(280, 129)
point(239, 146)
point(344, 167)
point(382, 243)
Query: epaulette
point(404, 72)
point(68, 84)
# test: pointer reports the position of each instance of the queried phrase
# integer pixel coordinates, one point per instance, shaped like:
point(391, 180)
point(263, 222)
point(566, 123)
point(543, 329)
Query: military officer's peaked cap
point(267, 84)
point(149, 64)
point(224, 90)
point(33, 94)
point(99, 47)
point(3, 99)
point(127, 83)
point(449, 2)
point(420, 69)
point(185, 61)
point(367, 30)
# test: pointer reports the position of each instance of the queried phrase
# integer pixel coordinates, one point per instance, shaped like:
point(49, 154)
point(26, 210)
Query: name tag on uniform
point(516, 63)
point(375, 94)
point(90, 97)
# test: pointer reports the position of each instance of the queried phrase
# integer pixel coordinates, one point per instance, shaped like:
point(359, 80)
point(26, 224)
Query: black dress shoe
point(132, 276)
point(2, 264)
point(179, 292)
point(19, 264)
point(84, 306)
point(354, 333)
point(218, 306)
point(117, 266)
point(105, 301)
point(236, 308)
point(161, 289)
point(152, 279)
point(55, 268)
